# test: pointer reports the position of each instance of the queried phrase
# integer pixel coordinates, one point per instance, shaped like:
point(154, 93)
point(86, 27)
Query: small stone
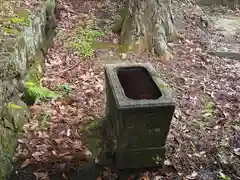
point(171, 45)
point(237, 151)
point(111, 53)
point(180, 174)
point(68, 132)
point(187, 41)
point(124, 56)
point(88, 153)
point(181, 37)
point(192, 176)
point(167, 163)
point(198, 49)
point(157, 178)
point(115, 41)
point(217, 127)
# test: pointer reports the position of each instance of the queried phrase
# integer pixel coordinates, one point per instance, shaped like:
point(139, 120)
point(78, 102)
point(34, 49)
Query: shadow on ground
point(76, 170)
point(89, 172)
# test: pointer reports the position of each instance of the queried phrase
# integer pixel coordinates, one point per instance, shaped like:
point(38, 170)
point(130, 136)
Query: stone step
point(227, 54)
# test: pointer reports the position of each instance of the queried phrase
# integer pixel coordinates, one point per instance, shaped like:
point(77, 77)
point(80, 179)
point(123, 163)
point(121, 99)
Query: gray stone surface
point(230, 3)
point(138, 127)
point(20, 63)
point(225, 41)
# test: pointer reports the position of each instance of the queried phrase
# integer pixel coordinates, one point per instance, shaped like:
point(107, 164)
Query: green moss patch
point(83, 41)
point(36, 91)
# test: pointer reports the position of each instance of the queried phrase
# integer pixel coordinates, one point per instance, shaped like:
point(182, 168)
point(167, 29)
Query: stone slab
point(230, 3)
point(225, 41)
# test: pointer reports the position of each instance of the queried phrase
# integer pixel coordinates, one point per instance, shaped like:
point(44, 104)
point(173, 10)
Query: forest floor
point(204, 138)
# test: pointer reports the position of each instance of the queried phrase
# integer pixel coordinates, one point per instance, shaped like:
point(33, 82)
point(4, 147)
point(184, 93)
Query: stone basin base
point(139, 110)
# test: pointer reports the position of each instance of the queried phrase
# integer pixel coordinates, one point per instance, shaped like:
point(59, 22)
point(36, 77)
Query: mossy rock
point(21, 60)
point(19, 112)
point(7, 147)
point(15, 116)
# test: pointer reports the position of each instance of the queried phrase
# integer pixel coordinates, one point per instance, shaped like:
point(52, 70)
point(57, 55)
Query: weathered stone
point(8, 65)
point(22, 49)
point(21, 59)
point(139, 111)
point(7, 146)
point(230, 3)
point(224, 42)
point(234, 55)
point(19, 112)
point(29, 39)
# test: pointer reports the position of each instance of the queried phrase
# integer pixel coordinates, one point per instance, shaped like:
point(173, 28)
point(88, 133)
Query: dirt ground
point(204, 139)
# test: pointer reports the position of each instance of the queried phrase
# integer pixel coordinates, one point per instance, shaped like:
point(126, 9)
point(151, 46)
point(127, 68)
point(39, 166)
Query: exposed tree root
point(147, 25)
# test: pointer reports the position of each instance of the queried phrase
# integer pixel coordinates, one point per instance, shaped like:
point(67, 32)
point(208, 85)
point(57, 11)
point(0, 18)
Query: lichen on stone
point(22, 36)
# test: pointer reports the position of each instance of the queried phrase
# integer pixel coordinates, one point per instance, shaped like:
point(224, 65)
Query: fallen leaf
point(25, 163)
point(38, 153)
point(41, 175)
point(68, 132)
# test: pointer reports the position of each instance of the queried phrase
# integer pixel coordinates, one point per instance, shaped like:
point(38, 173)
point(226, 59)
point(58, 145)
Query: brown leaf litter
point(203, 139)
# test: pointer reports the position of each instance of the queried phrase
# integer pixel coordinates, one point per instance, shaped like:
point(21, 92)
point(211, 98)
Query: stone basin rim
point(123, 101)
